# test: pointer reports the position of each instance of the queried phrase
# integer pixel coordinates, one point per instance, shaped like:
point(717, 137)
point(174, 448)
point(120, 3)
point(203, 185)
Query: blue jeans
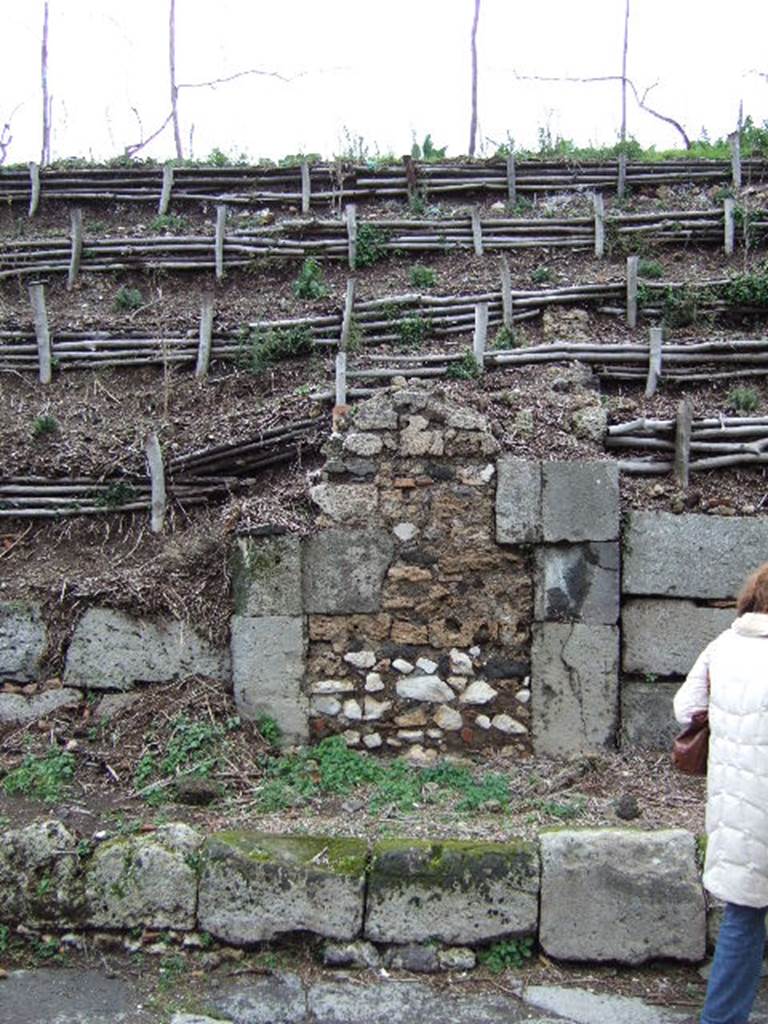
point(736, 967)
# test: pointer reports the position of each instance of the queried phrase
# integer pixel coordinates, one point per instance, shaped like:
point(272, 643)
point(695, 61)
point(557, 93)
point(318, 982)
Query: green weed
point(650, 269)
point(43, 778)
point(748, 289)
point(44, 424)
point(269, 730)
point(265, 349)
point(117, 493)
point(744, 399)
point(562, 810)
point(5, 938)
point(309, 284)
point(465, 368)
point(427, 150)
point(510, 954)
point(412, 330)
point(127, 299)
point(169, 222)
point(541, 275)
point(505, 338)
point(371, 245)
point(423, 277)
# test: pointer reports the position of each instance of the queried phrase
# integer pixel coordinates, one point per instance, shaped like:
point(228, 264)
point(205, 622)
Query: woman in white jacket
point(730, 677)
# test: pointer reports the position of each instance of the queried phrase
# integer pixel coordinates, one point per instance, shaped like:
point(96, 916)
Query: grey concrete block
point(268, 658)
point(23, 639)
point(40, 883)
point(665, 637)
point(691, 555)
point(647, 719)
point(266, 575)
point(111, 650)
point(580, 501)
point(144, 881)
point(518, 501)
point(621, 895)
point(577, 582)
point(344, 570)
point(255, 886)
point(461, 892)
point(574, 688)
point(16, 709)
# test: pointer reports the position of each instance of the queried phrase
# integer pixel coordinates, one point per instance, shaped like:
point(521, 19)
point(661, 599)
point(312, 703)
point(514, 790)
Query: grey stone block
point(111, 650)
point(46, 851)
point(621, 895)
point(18, 710)
point(255, 886)
point(518, 501)
point(647, 719)
point(23, 639)
point(665, 637)
point(344, 570)
point(580, 501)
point(144, 881)
point(691, 555)
point(459, 892)
point(268, 659)
point(266, 576)
point(577, 582)
point(574, 688)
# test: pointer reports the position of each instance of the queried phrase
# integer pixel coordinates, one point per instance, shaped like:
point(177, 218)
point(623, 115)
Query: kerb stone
point(458, 892)
point(23, 639)
point(647, 719)
point(577, 582)
point(574, 688)
point(518, 501)
point(691, 555)
point(344, 570)
point(268, 660)
point(624, 896)
point(665, 637)
point(254, 886)
point(580, 501)
point(266, 576)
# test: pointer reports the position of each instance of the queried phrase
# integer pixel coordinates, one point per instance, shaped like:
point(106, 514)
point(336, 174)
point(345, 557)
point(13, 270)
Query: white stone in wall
point(372, 740)
point(405, 531)
point(375, 708)
point(427, 666)
point(459, 683)
point(505, 723)
point(523, 696)
point(401, 665)
point(421, 758)
point(325, 706)
point(448, 718)
point(483, 722)
point(474, 652)
point(373, 682)
point(351, 737)
point(478, 692)
point(411, 735)
point(352, 710)
point(461, 663)
point(427, 688)
point(333, 686)
point(361, 659)
point(362, 444)
point(435, 734)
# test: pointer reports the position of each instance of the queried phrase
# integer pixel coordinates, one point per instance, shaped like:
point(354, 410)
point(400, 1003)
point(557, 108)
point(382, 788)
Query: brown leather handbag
point(691, 747)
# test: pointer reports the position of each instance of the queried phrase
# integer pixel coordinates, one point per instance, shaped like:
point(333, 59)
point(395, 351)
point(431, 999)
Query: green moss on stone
point(339, 855)
point(253, 561)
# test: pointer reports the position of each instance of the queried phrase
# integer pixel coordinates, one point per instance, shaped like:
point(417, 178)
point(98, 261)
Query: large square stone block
point(518, 501)
point(577, 582)
point(580, 501)
point(344, 570)
point(664, 638)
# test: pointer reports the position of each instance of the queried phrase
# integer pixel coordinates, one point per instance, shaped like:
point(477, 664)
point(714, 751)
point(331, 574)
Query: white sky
point(382, 70)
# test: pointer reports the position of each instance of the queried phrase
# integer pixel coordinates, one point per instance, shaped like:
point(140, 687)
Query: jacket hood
point(751, 624)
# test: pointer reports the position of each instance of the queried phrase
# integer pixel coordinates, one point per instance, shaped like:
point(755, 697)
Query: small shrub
point(541, 275)
point(371, 245)
point(417, 204)
point(43, 778)
point(505, 338)
point(44, 424)
point(5, 936)
point(562, 810)
point(650, 269)
point(748, 289)
point(309, 284)
point(117, 493)
point(264, 350)
point(412, 330)
point(269, 729)
point(169, 222)
point(510, 954)
point(463, 369)
point(744, 399)
point(127, 299)
point(423, 277)
point(427, 150)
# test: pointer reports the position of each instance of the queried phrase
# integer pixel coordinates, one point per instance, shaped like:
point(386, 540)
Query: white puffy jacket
point(734, 668)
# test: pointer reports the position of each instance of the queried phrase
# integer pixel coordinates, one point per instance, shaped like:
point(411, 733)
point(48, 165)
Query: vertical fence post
point(341, 355)
point(511, 180)
point(632, 266)
point(37, 298)
point(157, 482)
point(735, 140)
point(206, 335)
point(34, 188)
point(683, 424)
point(76, 238)
point(729, 225)
point(351, 219)
point(506, 292)
point(165, 192)
point(599, 206)
point(221, 221)
point(621, 176)
point(306, 187)
point(481, 334)
point(654, 361)
point(477, 231)
point(341, 378)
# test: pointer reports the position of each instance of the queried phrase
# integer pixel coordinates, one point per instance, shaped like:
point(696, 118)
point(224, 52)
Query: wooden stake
point(511, 180)
point(34, 188)
point(306, 187)
point(346, 320)
point(735, 140)
point(729, 225)
point(37, 298)
point(165, 194)
point(481, 334)
point(683, 425)
point(621, 176)
point(157, 479)
point(506, 292)
point(351, 219)
point(654, 361)
point(599, 207)
point(477, 231)
point(221, 220)
point(206, 335)
point(632, 265)
point(341, 378)
point(76, 237)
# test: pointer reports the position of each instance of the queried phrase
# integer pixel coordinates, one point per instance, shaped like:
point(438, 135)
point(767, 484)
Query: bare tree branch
point(133, 149)
point(473, 119)
point(5, 134)
point(238, 74)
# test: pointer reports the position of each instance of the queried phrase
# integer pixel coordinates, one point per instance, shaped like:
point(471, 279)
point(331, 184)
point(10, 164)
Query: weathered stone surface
point(266, 576)
point(448, 718)
point(362, 444)
point(144, 881)
point(417, 439)
point(255, 886)
point(351, 954)
point(268, 657)
point(665, 637)
point(346, 503)
point(580, 501)
point(23, 639)
point(590, 422)
point(344, 570)
point(40, 882)
point(577, 582)
point(16, 709)
point(111, 704)
point(376, 413)
point(112, 650)
point(574, 684)
point(456, 892)
point(478, 692)
point(621, 895)
point(647, 719)
point(691, 555)
point(518, 501)
point(427, 688)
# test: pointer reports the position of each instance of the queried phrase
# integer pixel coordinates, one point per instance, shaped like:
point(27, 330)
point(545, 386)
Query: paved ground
point(87, 996)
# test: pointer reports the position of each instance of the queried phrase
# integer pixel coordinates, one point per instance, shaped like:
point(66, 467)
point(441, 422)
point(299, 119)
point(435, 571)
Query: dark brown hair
point(754, 593)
